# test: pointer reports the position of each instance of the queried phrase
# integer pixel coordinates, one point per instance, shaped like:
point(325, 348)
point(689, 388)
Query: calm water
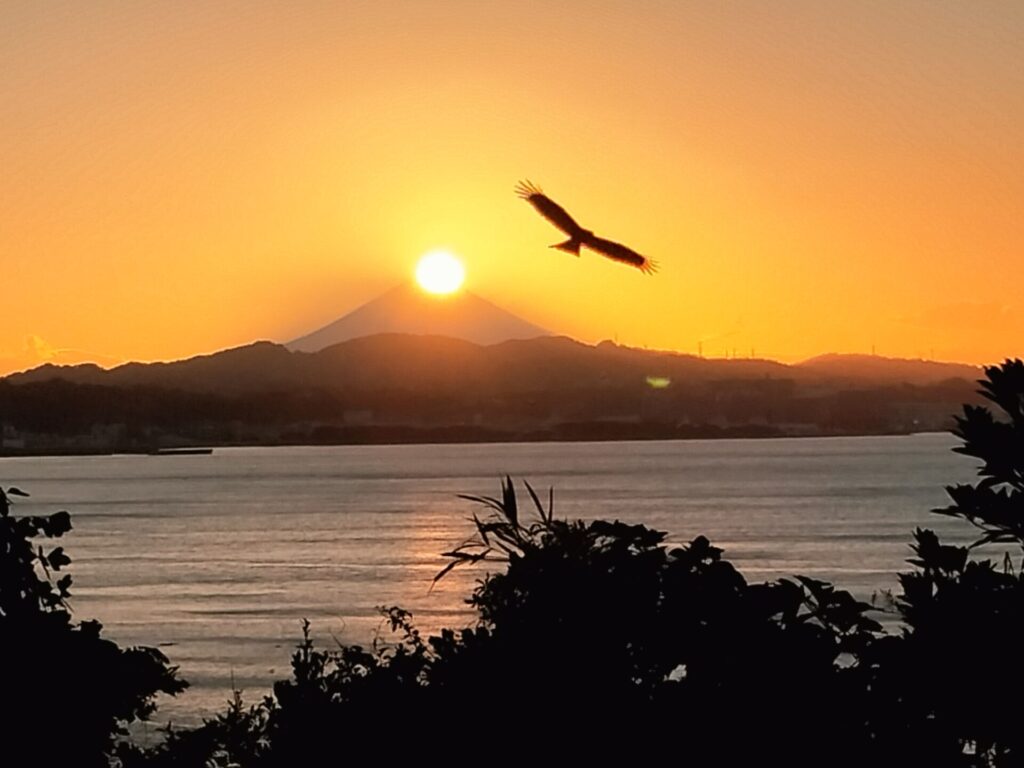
point(219, 558)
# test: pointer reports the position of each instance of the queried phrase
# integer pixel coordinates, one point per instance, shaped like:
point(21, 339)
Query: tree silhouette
point(588, 628)
point(68, 693)
point(947, 682)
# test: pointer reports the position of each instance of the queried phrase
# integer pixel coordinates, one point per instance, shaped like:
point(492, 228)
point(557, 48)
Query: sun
point(439, 272)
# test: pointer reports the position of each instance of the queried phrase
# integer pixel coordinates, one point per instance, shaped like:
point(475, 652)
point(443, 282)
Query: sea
point(217, 559)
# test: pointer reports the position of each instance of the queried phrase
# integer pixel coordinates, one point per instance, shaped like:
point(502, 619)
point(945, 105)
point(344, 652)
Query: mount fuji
point(406, 309)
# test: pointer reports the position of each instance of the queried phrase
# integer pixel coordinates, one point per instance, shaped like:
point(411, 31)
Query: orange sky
point(811, 176)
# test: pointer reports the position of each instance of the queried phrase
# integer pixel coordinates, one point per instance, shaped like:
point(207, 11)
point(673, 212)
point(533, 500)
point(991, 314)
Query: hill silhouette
point(423, 362)
point(407, 309)
point(413, 388)
point(889, 369)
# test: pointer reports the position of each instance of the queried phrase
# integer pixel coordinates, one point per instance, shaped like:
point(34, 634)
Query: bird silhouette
point(578, 236)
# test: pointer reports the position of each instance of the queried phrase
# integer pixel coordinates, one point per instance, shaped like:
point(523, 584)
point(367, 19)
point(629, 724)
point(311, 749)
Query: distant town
point(404, 388)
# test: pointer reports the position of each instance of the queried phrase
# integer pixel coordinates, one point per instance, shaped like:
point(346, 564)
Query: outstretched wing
point(621, 253)
point(548, 208)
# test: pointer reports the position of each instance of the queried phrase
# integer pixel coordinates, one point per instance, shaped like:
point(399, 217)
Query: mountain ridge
point(861, 366)
point(541, 361)
point(412, 388)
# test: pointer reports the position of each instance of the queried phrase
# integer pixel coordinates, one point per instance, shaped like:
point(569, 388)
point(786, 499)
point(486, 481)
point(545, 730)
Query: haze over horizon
point(811, 177)
point(38, 352)
point(404, 311)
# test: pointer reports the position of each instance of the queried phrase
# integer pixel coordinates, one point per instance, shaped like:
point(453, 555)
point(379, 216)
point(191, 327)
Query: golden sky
point(811, 176)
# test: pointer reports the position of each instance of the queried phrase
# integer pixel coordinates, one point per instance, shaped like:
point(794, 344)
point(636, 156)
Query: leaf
point(536, 501)
point(58, 559)
point(57, 524)
point(63, 584)
point(487, 501)
point(459, 558)
point(509, 505)
point(482, 529)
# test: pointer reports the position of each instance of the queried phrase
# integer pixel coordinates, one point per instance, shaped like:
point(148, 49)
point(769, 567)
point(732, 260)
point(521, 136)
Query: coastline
point(449, 437)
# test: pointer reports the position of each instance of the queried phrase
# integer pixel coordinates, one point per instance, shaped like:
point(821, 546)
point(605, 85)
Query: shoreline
point(211, 448)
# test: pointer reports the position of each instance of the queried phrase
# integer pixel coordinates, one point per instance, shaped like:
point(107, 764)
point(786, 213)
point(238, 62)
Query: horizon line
point(604, 342)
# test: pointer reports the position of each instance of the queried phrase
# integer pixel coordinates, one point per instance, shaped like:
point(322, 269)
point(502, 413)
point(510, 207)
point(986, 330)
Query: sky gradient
point(810, 176)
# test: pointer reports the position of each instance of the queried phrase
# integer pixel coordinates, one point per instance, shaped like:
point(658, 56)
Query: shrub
point(950, 678)
point(68, 692)
point(595, 636)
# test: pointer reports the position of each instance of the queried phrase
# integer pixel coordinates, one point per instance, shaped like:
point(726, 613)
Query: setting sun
point(439, 272)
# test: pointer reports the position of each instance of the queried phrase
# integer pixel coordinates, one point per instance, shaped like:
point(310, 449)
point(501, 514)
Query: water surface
point(220, 557)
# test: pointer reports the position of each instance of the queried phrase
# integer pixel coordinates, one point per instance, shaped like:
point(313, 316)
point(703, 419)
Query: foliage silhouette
point(959, 657)
point(591, 627)
point(597, 639)
point(68, 692)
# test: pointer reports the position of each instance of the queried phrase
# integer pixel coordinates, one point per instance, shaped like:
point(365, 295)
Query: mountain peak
point(406, 309)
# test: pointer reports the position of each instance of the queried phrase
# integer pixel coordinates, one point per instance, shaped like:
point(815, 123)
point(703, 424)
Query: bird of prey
point(578, 236)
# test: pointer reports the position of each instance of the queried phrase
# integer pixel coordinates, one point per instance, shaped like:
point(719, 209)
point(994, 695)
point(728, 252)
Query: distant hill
point(259, 366)
point(407, 309)
point(888, 369)
point(416, 388)
point(415, 362)
point(424, 362)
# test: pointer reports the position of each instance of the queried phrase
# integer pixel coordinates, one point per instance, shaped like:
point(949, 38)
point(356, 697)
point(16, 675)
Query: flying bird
point(578, 236)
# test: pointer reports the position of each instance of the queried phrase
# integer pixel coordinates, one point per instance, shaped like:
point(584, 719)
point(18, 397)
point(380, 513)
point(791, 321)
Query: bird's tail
point(572, 245)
